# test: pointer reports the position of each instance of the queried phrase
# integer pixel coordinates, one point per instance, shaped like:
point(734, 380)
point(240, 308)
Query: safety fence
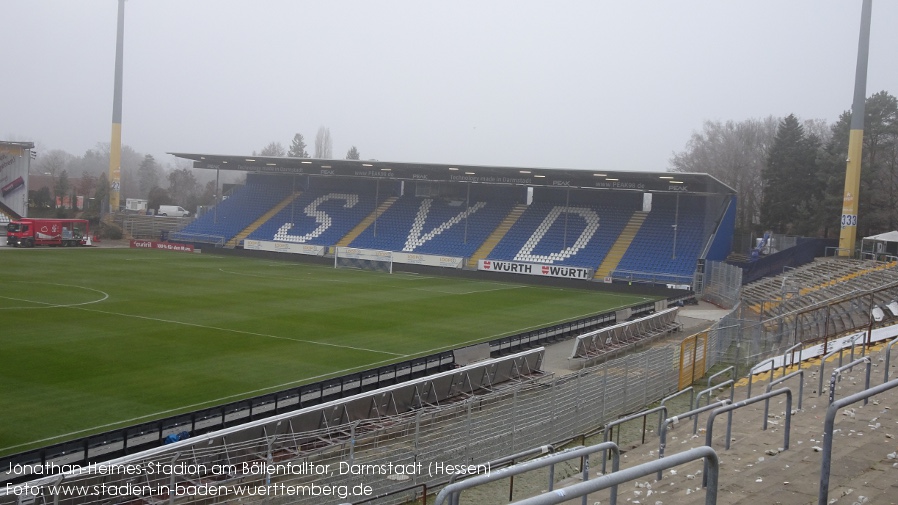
point(721, 284)
point(740, 339)
point(604, 340)
point(347, 461)
point(139, 437)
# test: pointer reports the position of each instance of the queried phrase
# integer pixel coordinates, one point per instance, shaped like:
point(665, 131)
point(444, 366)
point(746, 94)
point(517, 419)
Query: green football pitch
point(97, 339)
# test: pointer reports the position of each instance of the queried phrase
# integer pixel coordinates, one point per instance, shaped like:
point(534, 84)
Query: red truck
point(28, 232)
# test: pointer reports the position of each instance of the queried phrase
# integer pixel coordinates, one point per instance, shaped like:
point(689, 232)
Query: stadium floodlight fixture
point(271, 164)
point(306, 162)
point(610, 179)
point(469, 173)
point(325, 166)
point(600, 175)
point(665, 177)
point(367, 165)
point(537, 175)
point(524, 171)
point(676, 182)
point(250, 159)
point(453, 168)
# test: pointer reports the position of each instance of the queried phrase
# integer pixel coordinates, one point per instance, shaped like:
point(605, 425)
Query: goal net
point(363, 259)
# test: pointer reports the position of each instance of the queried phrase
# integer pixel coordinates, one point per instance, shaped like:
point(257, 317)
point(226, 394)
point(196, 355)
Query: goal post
point(363, 259)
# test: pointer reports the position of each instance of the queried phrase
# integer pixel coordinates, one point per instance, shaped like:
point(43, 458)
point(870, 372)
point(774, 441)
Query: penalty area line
point(242, 332)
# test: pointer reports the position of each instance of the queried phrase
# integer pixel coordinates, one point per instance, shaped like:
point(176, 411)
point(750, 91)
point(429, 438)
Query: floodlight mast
point(115, 146)
point(851, 196)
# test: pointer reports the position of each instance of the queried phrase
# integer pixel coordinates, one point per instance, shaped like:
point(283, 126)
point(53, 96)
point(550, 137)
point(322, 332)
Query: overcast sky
point(611, 85)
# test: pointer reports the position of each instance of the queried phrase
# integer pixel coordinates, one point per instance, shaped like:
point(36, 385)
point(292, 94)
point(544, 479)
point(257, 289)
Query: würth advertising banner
point(165, 246)
point(511, 267)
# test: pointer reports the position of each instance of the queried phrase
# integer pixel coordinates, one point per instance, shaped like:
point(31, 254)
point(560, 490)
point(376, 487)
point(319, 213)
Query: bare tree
point(736, 153)
point(273, 149)
point(182, 187)
point(54, 162)
point(323, 144)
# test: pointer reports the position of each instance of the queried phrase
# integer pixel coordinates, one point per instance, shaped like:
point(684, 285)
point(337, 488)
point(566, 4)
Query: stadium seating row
point(570, 228)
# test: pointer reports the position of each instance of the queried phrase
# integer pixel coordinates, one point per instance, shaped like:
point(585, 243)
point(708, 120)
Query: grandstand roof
point(555, 177)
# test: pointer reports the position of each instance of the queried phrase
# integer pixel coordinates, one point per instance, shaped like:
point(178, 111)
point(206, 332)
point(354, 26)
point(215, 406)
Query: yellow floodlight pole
point(115, 146)
point(851, 197)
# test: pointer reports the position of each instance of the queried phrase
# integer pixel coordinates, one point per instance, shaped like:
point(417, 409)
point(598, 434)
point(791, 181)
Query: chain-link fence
point(752, 332)
point(433, 442)
point(721, 284)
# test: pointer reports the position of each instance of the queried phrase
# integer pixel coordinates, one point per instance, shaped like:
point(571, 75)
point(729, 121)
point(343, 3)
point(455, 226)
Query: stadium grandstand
point(610, 226)
point(556, 400)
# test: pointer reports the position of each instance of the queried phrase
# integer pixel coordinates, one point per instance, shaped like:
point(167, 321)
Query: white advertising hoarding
point(427, 260)
point(284, 247)
point(512, 267)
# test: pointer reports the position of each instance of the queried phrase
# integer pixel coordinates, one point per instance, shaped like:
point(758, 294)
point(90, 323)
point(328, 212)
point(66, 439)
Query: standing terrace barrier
point(675, 419)
point(712, 463)
point(730, 369)
point(752, 372)
point(828, 425)
point(888, 357)
point(838, 372)
point(494, 464)
point(450, 494)
point(689, 390)
point(793, 361)
point(603, 340)
point(798, 373)
point(826, 357)
point(609, 427)
point(709, 430)
point(698, 400)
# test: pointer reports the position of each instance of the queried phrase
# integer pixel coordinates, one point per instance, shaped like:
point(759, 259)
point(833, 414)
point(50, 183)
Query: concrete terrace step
point(755, 470)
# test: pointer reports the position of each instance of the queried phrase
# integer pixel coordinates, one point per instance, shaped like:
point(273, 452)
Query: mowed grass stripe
point(181, 331)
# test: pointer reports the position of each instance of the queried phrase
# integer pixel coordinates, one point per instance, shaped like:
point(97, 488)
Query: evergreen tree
point(101, 193)
point(352, 154)
point(877, 211)
point(147, 175)
point(792, 188)
point(298, 147)
point(62, 184)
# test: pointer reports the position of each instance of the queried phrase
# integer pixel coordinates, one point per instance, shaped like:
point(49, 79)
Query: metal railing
point(451, 493)
point(709, 430)
point(662, 444)
point(838, 372)
point(608, 432)
point(712, 472)
point(828, 426)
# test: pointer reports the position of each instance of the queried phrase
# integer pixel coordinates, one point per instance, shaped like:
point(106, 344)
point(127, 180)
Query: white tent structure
point(881, 247)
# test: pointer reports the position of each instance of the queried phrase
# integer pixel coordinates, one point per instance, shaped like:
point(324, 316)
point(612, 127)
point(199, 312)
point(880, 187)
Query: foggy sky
point(608, 85)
